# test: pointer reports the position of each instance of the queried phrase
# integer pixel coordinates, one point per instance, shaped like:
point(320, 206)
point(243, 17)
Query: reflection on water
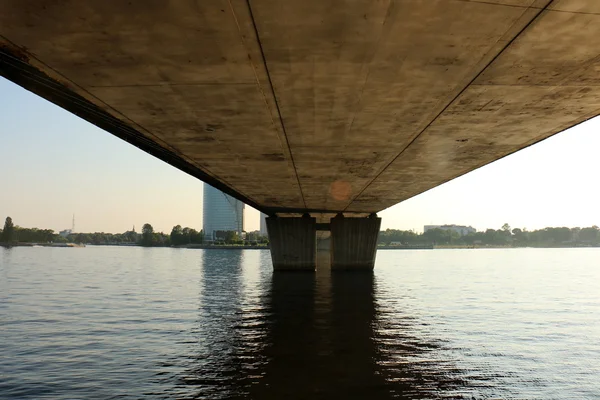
point(303, 335)
point(103, 322)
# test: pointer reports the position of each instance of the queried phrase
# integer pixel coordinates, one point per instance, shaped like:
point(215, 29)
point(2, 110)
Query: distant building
point(221, 212)
point(263, 225)
point(65, 233)
point(460, 229)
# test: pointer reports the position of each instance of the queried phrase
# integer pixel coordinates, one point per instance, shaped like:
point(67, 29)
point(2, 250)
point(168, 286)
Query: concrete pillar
point(293, 243)
point(354, 242)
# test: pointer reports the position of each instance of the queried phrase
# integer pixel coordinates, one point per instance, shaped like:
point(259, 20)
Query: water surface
point(119, 322)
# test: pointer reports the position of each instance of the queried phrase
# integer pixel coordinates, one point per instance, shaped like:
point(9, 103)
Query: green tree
point(438, 236)
point(226, 236)
point(8, 233)
point(589, 235)
point(147, 235)
point(492, 236)
point(177, 235)
point(187, 234)
point(230, 236)
point(506, 233)
point(554, 236)
point(195, 237)
point(199, 239)
point(521, 237)
point(129, 237)
point(252, 236)
point(160, 239)
point(33, 235)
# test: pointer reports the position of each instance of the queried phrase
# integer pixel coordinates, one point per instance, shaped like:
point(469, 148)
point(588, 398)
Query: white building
point(221, 212)
point(65, 233)
point(263, 225)
point(460, 229)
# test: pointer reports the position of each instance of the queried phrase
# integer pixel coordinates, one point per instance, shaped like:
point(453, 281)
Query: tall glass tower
point(221, 212)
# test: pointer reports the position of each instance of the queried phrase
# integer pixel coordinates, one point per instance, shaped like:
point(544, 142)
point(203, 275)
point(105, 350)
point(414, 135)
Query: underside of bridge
point(319, 106)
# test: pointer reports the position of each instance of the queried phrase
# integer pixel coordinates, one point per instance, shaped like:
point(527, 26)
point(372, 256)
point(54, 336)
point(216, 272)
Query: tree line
point(179, 236)
point(13, 233)
point(505, 236)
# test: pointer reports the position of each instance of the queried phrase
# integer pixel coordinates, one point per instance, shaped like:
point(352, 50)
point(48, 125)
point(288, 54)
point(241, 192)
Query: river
point(130, 323)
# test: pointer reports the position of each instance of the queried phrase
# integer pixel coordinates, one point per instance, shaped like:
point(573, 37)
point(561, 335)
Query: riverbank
point(222, 247)
point(409, 247)
point(266, 247)
point(18, 244)
point(192, 246)
point(561, 246)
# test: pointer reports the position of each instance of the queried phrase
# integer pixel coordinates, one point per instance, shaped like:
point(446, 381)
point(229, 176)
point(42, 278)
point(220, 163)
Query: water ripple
point(129, 323)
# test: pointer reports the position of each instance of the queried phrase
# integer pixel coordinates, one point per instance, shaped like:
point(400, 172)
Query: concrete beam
point(320, 106)
point(354, 242)
point(293, 243)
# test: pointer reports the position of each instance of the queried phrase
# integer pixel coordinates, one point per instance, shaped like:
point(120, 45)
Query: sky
point(54, 165)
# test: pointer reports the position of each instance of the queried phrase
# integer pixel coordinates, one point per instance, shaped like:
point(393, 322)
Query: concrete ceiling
point(324, 105)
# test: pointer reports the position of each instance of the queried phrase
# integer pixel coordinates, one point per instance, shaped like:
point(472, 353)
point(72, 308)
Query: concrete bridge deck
point(315, 105)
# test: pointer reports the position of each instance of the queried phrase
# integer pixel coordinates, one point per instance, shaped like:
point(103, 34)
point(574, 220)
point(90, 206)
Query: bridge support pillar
point(354, 242)
point(293, 243)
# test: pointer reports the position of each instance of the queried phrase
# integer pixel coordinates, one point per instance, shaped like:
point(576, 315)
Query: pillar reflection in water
point(320, 338)
point(265, 335)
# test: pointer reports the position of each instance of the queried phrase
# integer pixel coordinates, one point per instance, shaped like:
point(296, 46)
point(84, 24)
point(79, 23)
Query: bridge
point(319, 113)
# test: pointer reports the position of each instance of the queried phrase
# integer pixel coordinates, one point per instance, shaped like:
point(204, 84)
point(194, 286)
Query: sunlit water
point(109, 322)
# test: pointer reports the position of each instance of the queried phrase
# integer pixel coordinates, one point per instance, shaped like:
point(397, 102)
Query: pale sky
point(54, 165)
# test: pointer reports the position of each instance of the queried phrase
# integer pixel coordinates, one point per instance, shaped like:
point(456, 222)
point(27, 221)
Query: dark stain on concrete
point(274, 157)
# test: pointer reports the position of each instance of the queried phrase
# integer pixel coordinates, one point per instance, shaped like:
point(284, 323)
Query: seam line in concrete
point(535, 85)
point(529, 7)
point(530, 143)
point(259, 86)
point(80, 87)
point(508, 44)
point(175, 84)
point(495, 4)
point(572, 12)
point(264, 60)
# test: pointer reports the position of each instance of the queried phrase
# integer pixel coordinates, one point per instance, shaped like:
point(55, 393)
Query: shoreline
point(21, 244)
point(248, 247)
point(220, 247)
